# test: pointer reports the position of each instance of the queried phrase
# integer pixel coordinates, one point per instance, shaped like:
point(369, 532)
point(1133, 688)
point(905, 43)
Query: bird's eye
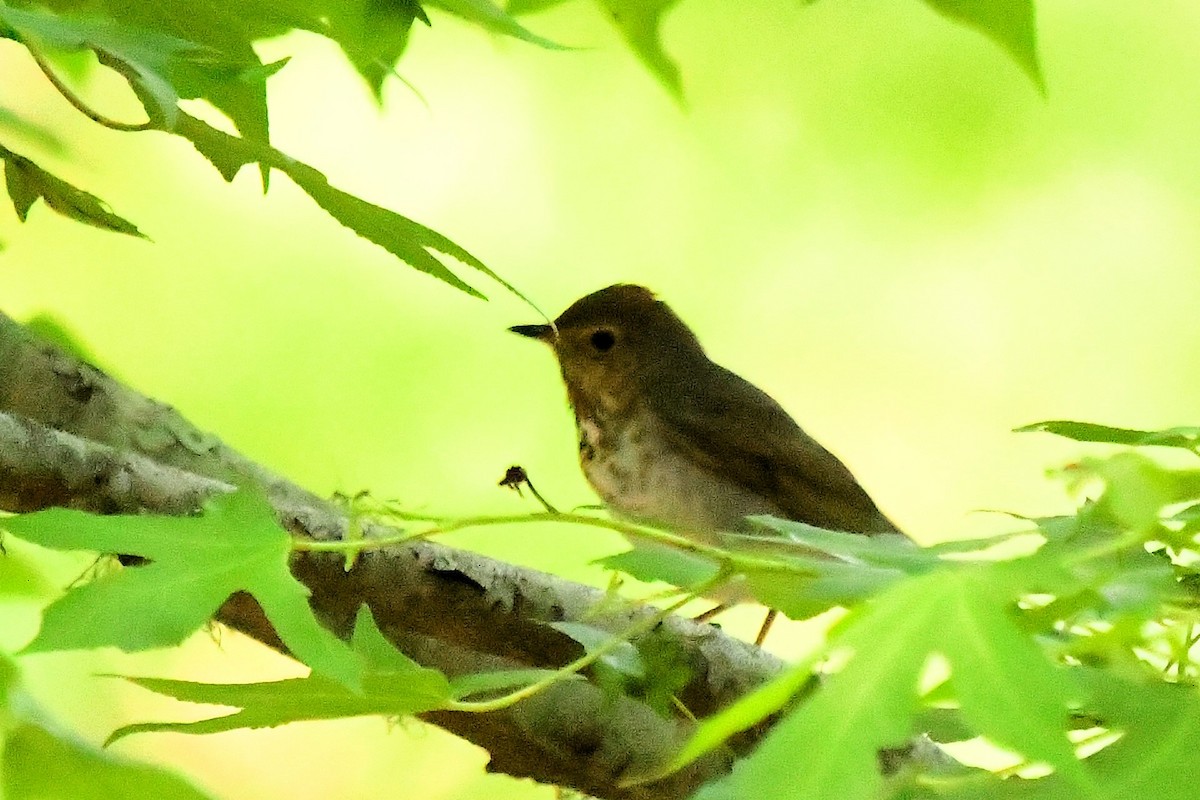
point(603, 340)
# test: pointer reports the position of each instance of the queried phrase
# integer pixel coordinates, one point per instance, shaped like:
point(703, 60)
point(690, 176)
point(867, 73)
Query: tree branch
point(72, 436)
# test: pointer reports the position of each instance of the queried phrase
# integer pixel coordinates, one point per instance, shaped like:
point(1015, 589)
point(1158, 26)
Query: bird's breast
point(640, 477)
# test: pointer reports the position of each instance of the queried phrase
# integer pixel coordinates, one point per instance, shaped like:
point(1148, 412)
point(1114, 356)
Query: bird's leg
point(762, 632)
point(766, 626)
point(712, 612)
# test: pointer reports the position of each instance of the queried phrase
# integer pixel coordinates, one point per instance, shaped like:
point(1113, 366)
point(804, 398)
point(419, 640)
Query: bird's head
point(612, 343)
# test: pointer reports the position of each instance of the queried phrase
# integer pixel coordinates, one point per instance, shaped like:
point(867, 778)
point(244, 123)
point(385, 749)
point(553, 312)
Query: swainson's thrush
point(668, 436)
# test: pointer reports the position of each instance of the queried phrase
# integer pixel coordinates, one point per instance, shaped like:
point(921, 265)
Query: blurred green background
point(864, 209)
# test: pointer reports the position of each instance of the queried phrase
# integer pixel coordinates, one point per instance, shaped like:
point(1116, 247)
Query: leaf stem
point(718, 554)
point(77, 102)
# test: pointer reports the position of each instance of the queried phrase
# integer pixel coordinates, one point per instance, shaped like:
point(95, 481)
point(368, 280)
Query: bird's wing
point(734, 429)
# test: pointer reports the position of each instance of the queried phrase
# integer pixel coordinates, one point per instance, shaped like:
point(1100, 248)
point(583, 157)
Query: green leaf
point(373, 34)
point(404, 238)
point(625, 659)
point(227, 72)
point(830, 583)
point(886, 550)
point(966, 783)
point(195, 562)
point(650, 561)
point(42, 761)
point(1187, 437)
point(27, 183)
point(670, 667)
point(978, 544)
point(789, 579)
point(1007, 688)
point(620, 672)
point(1189, 516)
point(816, 569)
point(1137, 489)
point(10, 678)
point(653, 669)
point(1009, 23)
point(377, 653)
point(392, 685)
point(39, 765)
point(944, 724)
point(492, 17)
point(827, 747)
point(275, 703)
point(22, 575)
point(1156, 755)
point(746, 712)
point(516, 7)
point(1092, 567)
point(639, 22)
point(162, 67)
point(234, 79)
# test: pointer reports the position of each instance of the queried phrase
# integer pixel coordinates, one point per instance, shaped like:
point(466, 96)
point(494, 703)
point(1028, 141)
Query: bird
point(669, 437)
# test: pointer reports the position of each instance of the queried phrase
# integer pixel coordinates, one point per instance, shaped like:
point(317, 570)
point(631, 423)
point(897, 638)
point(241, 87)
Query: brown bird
point(668, 436)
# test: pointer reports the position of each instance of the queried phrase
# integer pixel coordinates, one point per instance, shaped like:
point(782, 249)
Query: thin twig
point(77, 102)
point(538, 496)
point(738, 561)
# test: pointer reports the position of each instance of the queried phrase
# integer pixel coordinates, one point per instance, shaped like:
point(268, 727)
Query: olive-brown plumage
point(667, 435)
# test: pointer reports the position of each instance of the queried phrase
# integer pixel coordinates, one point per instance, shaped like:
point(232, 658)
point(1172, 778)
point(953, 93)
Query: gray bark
point(72, 436)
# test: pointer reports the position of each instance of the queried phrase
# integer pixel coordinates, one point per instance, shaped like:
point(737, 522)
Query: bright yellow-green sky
point(864, 209)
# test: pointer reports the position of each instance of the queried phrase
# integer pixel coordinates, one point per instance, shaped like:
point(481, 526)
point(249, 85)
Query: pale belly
point(639, 479)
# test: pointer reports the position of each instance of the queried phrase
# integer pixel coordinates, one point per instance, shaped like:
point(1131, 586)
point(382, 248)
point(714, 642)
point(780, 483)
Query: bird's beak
point(543, 333)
